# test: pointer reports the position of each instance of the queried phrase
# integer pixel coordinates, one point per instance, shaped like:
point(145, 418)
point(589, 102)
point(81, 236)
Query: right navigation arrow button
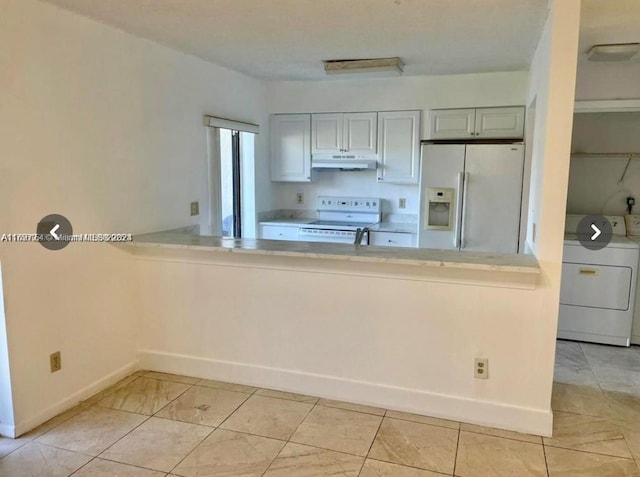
point(597, 232)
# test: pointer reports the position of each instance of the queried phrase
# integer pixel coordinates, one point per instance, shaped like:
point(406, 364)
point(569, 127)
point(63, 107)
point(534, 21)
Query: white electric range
point(341, 219)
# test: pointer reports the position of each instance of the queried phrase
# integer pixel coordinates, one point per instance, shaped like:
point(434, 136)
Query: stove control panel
point(349, 204)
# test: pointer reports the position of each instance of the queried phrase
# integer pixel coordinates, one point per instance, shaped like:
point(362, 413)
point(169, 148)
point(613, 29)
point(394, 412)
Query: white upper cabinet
point(360, 133)
point(399, 147)
point(291, 147)
point(339, 134)
point(327, 132)
point(503, 123)
point(480, 123)
point(453, 123)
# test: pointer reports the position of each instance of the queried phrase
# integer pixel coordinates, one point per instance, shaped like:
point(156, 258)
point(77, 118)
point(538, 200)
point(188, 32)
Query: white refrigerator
point(470, 197)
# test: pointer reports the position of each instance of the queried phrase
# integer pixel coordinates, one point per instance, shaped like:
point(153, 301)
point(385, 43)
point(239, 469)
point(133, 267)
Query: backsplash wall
point(347, 184)
point(593, 181)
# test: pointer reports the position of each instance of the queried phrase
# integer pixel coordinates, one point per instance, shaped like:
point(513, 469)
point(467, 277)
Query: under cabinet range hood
point(345, 163)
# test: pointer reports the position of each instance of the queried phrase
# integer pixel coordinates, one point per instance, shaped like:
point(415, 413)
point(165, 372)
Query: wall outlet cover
point(195, 208)
point(402, 203)
point(481, 368)
point(55, 362)
point(299, 198)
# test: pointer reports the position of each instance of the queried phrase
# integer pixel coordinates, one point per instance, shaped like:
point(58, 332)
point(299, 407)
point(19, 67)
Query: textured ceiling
point(608, 21)
point(288, 39)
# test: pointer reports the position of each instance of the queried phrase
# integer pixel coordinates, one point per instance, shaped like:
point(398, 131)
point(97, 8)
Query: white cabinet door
point(399, 147)
point(327, 130)
point(278, 232)
point(502, 123)
point(392, 239)
point(452, 123)
point(291, 147)
point(360, 133)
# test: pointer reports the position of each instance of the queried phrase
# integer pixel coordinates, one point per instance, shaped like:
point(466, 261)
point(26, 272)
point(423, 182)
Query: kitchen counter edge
point(494, 262)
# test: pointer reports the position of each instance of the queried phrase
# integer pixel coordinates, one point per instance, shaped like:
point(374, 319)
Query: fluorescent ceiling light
point(616, 52)
point(375, 65)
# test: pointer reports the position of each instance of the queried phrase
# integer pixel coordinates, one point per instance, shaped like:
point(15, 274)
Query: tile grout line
point(409, 466)
point(455, 459)
point(591, 453)
point(82, 466)
point(544, 453)
point(375, 436)
point(289, 438)
point(502, 437)
point(218, 427)
point(148, 417)
point(82, 409)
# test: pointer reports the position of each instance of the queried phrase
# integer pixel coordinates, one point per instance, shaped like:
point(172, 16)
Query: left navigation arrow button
point(53, 231)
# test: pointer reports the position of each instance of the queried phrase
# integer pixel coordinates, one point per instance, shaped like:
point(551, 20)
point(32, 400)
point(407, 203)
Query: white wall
point(384, 94)
point(593, 181)
point(106, 129)
point(608, 81)
point(6, 398)
point(346, 183)
point(551, 90)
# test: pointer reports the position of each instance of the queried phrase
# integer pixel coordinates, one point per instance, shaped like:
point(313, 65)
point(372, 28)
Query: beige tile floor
point(155, 424)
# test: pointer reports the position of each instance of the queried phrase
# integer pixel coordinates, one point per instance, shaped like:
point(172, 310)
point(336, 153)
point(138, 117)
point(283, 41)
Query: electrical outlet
point(299, 198)
point(402, 203)
point(195, 208)
point(55, 362)
point(481, 368)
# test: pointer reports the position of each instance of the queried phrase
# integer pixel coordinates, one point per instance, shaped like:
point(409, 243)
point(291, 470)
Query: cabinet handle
point(588, 271)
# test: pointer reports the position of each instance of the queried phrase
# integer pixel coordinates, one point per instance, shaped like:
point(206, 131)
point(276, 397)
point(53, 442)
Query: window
point(230, 183)
point(231, 162)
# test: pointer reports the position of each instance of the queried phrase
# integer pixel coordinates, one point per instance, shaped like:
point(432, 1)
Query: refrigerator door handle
point(456, 235)
point(465, 188)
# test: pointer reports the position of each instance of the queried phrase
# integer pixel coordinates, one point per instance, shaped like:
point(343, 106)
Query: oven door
point(308, 234)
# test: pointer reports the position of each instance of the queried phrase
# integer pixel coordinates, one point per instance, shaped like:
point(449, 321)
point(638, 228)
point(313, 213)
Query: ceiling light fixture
point(392, 66)
point(613, 52)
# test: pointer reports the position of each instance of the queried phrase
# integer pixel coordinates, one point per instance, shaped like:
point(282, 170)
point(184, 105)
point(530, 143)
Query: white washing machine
point(597, 295)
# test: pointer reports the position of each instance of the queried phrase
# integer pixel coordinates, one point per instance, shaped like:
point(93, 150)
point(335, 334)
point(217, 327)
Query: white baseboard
point(456, 408)
point(70, 401)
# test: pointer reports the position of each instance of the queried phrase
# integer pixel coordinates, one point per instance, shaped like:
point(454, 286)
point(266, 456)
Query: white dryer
point(633, 232)
point(597, 295)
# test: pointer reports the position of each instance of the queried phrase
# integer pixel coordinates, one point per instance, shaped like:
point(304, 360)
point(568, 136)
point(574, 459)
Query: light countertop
point(397, 227)
point(512, 263)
